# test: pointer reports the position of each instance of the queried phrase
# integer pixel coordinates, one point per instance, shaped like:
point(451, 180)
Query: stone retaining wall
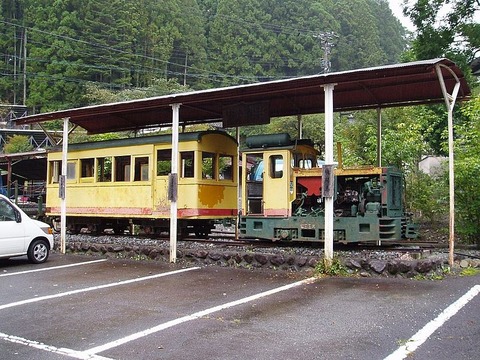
point(401, 267)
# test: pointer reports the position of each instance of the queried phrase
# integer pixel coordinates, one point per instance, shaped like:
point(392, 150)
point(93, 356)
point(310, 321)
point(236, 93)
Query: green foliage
point(17, 144)
point(467, 172)
point(335, 269)
point(470, 271)
point(426, 196)
point(446, 31)
point(122, 46)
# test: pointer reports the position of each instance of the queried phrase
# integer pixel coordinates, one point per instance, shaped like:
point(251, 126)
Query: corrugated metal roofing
point(386, 86)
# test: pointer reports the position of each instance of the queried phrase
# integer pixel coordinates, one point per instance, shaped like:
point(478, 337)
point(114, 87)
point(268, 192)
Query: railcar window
point(255, 167)
point(71, 170)
point(305, 164)
point(104, 169)
point(208, 165)
point(141, 169)
point(225, 165)
point(276, 166)
point(87, 167)
point(122, 168)
point(187, 162)
point(164, 162)
point(54, 171)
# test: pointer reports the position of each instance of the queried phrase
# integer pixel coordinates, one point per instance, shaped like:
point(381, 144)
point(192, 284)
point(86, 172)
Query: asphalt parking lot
point(91, 308)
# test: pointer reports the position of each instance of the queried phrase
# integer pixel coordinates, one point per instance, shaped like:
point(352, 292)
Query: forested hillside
point(57, 48)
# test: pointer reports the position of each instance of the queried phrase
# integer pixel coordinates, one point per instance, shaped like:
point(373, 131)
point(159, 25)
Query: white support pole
point(174, 173)
point(450, 103)
point(63, 199)
point(379, 137)
point(300, 126)
point(239, 183)
point(329, 215)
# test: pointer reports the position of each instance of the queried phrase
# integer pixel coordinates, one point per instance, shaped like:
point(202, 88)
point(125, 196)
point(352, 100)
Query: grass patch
point(470, 271)
point(335, 269)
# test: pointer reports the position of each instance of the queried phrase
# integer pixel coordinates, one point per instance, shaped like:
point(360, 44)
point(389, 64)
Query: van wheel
point(38, 252)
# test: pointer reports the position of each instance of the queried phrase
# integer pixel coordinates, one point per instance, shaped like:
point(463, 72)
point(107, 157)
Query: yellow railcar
point(116, 184)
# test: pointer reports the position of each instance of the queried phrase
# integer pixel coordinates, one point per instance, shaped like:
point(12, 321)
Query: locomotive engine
point(281, 196)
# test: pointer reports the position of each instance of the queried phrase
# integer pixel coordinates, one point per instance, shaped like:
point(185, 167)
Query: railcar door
point(267, 182)
point(163, 166)
point(276, 182)
point(254, 183)
point(394, 184)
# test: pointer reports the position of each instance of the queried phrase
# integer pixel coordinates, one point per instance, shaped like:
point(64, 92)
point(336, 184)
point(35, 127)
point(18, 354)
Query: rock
point(248, 258)
point(378, 266)
point(290, 260)
point(277, 260)
point(301, 261)
point(215, 256)
point(312, 262)
point(464, 263)
point(95, 248)
point(392, 267)
point(261, 259)
point(201, 254)
point(353, 264)
point(424, 266)
point(404, 266)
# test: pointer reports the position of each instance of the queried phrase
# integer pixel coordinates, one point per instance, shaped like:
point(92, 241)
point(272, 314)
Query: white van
point(21, 235)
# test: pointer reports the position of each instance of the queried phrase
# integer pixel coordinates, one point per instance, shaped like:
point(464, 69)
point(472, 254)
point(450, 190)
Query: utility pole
point(24, 66)
point(327, 41)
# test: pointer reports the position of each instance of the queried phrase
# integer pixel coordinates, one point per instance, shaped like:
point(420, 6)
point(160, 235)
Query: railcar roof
point(385, 86)
point(143, 140)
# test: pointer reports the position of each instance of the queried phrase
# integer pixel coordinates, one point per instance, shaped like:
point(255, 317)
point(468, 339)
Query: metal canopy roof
point(30, 165)
point(386, 86)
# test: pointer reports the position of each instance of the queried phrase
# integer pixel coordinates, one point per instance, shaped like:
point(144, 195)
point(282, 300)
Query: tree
point(467, 172)
point(17, 144)
point(455, 35)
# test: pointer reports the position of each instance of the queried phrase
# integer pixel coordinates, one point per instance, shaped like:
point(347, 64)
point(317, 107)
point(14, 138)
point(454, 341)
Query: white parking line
point(93, 288)
point(193, 316)
point(62, 351)
point(52, 268)
point(423, 334)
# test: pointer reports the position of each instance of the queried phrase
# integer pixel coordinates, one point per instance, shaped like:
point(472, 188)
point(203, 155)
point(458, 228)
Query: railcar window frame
point(274, 161)
point(187, 164)
point(123, 164)
point(87, 167)
point(104, 167)
point(164, 162)
point(225, 167)
point(72, 170)
point(141, 168)
point(54, 171)
point(209, 160)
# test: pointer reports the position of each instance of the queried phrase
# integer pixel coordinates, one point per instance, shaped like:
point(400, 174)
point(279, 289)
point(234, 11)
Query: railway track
point(223, 239)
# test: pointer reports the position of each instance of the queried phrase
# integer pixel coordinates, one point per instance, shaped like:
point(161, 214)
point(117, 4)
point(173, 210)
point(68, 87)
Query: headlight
point(47, 230)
